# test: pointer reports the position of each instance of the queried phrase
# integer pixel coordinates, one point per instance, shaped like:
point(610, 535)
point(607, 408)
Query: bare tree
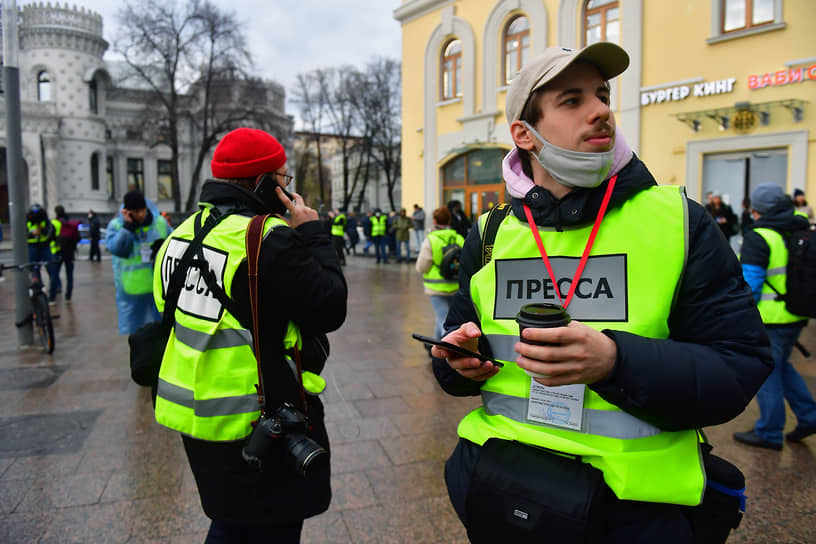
point(383, 77)
point(338, 85)
point(194, 58)
point(311, 105)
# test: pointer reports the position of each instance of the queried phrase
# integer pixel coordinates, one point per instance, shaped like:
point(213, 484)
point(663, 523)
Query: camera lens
point(310, 457)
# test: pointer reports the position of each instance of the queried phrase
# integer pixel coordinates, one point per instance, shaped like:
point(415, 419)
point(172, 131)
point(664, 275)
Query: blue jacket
point(126, 247)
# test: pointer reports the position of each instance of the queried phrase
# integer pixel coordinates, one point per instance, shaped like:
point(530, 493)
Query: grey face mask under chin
point(572, 168)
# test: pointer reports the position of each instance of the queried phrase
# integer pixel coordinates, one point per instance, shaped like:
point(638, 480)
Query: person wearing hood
point(130, 238)
point(664, 338)
point(764, 259)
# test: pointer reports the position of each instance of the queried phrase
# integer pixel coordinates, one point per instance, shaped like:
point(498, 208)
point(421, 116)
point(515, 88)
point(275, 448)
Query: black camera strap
point(176, 283)
point(254, 237)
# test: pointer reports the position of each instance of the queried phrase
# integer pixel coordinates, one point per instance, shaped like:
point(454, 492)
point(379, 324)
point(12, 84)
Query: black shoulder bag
point(148, 343)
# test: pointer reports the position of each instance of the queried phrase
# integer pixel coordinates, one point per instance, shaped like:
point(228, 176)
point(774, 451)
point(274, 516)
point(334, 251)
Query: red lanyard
point(587, 249)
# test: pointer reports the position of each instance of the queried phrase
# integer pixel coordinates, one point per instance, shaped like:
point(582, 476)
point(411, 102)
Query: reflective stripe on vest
point(620, 289)
point(208, 373)
point(609, 423)
point(378, 225)
point(773, 311)
point(223, 406)
point(433, 279)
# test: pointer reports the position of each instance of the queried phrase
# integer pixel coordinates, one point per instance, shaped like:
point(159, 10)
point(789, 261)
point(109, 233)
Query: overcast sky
point(287, 37)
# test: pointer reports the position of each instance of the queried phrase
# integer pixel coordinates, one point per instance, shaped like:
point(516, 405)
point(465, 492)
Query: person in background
point(338, 230)
point(439, 289)
point(352, 234)
point(801, 205)
point(67, 240)
point(379, 225)
point(391, 234)
point(723, 215)
point(418, 217)
point(746, 219)
point(129, 238)
point(764, 259)
point(166, 216)
point(402, 235)
point(40, 234)
point(94, 235)
point(459, 221)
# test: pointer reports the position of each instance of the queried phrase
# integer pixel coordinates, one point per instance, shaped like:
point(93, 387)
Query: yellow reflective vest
point(773, 311)
point(628, 284)
point(433, 279)
point(40, 238)
point(338, 224)
point(378, 225)
point(57, 230)
point(208, 373)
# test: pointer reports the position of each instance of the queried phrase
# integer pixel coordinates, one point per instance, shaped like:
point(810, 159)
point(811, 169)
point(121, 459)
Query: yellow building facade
point(719, 94)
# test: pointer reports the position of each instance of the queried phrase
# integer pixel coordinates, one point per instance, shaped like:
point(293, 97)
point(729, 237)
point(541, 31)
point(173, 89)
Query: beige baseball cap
point(609, 58)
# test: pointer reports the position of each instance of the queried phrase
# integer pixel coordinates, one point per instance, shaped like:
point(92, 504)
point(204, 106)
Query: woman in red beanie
point(206, 383)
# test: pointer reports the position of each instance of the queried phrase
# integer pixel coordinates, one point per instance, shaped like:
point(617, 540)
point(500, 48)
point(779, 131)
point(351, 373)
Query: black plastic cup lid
point(546, 310)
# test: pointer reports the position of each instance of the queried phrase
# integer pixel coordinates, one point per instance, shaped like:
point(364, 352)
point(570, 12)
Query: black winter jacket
point(299, 280)
point(716, 356)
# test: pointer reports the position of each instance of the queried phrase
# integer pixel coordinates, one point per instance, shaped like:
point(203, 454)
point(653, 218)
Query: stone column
point(50, 154)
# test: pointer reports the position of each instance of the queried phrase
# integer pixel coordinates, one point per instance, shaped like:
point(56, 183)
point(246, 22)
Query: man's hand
point(128, 221)
point(581, 354)
point(298, 210)
point(466, 336)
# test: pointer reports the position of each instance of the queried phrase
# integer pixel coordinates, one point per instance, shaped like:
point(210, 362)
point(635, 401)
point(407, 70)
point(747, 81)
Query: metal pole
point(14, 161)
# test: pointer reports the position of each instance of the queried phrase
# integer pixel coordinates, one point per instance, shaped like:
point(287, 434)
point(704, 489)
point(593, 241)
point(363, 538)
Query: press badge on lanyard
point(562, 406)
point(145, 251)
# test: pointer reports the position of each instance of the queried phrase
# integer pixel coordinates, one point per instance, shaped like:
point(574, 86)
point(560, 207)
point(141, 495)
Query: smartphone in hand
point(454, 348)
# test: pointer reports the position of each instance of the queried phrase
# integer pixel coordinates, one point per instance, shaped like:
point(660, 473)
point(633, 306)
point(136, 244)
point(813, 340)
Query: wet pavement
point(82, 460)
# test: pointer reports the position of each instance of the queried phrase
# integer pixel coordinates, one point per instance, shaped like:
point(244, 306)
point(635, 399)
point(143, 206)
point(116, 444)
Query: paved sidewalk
point(81, 459)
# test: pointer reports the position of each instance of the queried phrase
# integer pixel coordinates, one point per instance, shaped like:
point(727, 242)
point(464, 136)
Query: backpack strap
point(494, 218)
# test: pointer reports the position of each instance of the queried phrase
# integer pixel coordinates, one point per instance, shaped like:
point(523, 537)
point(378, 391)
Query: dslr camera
point(286, 427)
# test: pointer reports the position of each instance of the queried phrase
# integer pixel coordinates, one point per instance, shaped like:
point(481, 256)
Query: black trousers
point(221, 533)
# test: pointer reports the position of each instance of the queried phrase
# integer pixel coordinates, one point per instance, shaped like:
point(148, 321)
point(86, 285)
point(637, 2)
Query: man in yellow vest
point(664, 339)
point(206, 388)
point(764, 259)
point(338, 230)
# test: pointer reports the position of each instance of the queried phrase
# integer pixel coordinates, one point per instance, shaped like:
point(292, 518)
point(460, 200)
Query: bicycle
point(40, 315)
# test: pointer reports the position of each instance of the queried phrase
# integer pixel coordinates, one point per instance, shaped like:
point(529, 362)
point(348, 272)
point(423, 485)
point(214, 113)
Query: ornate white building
point(82, 146)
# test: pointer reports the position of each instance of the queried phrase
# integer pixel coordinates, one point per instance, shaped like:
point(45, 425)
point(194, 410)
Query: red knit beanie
point(246, 153)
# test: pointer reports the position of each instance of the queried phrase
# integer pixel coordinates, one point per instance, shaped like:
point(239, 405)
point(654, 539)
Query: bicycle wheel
point(42, 321)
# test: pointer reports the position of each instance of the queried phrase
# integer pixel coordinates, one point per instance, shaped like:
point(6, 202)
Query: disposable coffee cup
point(540, 315)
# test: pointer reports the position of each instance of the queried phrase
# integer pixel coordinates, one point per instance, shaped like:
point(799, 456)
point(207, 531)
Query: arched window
point(93, 97)
point(43, 87)
point(516, 47)
point(475, 179)
point(601, 21)
point(452, 70)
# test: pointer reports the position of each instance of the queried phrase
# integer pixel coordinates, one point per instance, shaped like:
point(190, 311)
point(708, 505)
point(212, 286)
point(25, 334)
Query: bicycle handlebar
point(24, 266)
